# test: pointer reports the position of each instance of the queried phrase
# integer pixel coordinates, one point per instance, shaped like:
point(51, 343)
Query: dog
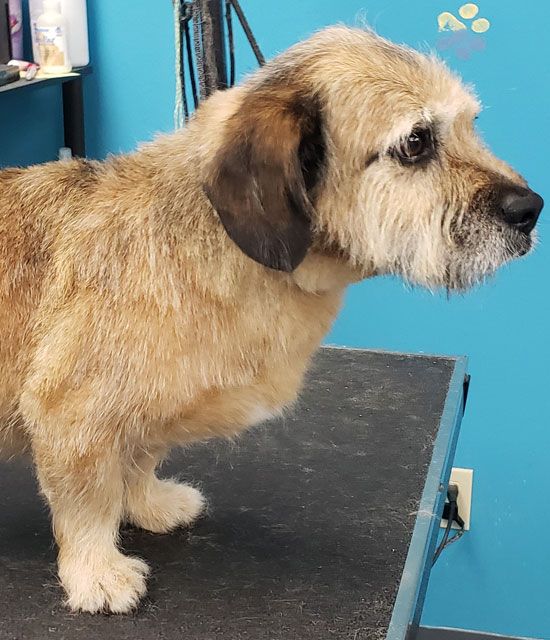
point(178, 293)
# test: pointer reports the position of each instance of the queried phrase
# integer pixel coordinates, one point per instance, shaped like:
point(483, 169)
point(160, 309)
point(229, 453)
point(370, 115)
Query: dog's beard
point(452, 257)
point(469, 267)
point(462, 266)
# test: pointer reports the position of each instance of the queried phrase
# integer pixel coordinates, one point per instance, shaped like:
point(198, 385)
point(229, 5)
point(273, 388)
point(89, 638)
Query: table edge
point(414, 580)
point(407, 354)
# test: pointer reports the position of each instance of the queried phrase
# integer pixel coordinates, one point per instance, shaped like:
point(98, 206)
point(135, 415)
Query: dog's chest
point(258, 368)
point(261, 413)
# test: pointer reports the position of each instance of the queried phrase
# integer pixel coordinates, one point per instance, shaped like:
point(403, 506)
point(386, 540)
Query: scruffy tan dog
point(178, 293)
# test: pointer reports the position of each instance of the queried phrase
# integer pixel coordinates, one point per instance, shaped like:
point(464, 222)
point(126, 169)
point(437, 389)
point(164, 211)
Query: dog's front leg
point(84, 485)
point(156, 504)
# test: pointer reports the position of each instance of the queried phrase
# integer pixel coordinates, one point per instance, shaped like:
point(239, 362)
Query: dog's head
point(350, 144)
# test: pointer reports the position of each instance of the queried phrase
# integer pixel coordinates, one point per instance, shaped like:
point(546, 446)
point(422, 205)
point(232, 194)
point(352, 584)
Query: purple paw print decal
point(463, 38)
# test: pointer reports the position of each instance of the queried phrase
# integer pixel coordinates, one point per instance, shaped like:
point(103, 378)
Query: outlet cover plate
point(464, 478)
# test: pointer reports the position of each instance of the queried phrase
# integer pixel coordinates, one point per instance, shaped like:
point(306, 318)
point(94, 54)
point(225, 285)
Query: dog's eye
point(416, 147)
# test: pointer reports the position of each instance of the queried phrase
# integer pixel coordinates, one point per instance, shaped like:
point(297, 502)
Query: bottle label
point(51, 44)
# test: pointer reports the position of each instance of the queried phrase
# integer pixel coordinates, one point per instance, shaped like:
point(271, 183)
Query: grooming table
point(321, 525)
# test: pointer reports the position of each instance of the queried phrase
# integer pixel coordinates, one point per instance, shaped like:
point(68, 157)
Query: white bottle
point(74, 12)
point(51, 38)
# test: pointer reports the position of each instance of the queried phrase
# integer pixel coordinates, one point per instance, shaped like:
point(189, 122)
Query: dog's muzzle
point(520, 208)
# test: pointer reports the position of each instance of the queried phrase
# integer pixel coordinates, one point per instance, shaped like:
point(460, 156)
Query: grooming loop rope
point(196, 49)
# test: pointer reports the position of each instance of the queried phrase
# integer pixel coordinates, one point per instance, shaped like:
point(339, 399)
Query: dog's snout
point(521, 209)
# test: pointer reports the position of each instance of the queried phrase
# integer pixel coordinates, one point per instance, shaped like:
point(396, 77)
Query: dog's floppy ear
point(261, 177)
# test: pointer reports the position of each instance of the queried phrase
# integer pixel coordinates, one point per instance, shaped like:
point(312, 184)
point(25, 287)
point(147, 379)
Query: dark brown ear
point(262, 177)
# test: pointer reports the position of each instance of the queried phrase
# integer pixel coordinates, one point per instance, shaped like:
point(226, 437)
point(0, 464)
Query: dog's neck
point(321, 273)
point(325, 269)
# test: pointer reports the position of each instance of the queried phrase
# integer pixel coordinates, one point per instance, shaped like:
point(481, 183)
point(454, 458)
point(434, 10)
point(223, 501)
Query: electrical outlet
point(464, 479)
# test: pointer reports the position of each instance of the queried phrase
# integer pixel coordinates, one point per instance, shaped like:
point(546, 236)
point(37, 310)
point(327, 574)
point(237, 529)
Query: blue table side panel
point(414, 582)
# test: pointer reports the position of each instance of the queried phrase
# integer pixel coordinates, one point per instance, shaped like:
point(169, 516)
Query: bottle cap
point(65, 153)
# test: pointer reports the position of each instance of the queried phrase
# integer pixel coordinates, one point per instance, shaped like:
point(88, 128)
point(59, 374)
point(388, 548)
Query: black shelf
point(46, 80)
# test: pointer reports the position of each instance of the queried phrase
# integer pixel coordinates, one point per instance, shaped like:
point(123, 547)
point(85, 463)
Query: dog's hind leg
point(154, 504)
point(84, 485)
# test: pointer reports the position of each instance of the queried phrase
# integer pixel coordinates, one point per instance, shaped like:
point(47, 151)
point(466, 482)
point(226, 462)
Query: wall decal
point(462, 38)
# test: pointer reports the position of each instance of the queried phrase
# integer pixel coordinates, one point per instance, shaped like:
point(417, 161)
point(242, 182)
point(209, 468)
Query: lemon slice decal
point(468, 11)
point(481, 26)
point(446, 21)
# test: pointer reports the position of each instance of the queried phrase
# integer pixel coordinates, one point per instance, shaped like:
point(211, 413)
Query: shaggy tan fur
point(178, 293)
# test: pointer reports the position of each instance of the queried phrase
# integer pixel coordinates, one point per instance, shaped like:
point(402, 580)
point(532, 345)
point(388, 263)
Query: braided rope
point(199, 49)
point(208, 49)
point(180, 108)
point(231, 42)
point(199, 61)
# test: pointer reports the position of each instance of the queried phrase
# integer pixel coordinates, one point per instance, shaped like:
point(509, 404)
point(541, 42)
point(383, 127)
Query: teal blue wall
point(497, 578)
point(31, 129)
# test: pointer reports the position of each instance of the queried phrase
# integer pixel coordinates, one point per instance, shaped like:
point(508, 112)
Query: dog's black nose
point(521, 209)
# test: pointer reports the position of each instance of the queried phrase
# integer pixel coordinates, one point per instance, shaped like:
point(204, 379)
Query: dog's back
point(33, 203)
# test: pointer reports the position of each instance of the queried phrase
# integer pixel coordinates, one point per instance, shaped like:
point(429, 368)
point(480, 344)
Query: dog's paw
point(166, 505)
point(114, 585)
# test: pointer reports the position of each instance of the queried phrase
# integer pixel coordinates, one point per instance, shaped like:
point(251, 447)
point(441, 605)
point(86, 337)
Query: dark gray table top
point(309, 524)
